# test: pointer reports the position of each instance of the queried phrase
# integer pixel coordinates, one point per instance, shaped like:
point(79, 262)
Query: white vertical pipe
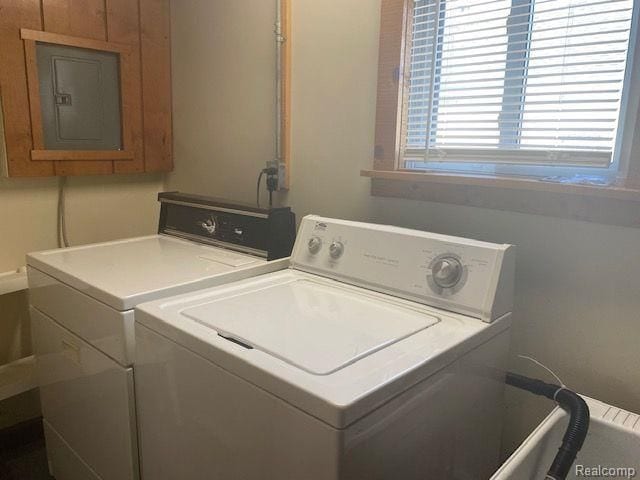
point(279, 40)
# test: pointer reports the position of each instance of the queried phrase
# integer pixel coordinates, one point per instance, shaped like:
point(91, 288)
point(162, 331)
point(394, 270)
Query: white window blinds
point(535, 82)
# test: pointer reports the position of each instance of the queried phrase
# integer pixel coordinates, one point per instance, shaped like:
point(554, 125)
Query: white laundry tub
point(611, 449)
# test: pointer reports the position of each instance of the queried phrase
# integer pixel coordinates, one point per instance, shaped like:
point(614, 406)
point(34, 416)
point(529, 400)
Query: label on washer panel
point(372, 257)
point(455, 273)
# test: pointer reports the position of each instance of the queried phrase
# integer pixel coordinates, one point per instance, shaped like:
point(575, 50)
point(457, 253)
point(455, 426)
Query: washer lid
point(312, 325)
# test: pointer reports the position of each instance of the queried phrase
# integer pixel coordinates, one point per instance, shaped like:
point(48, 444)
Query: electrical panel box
point(74, 100)
point(79, 98)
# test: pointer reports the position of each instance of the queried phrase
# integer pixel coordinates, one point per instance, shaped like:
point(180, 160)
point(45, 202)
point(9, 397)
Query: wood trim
point(78, 18)
point(286, 91)
point(125, 105)
point(155, 48)
point(125, 102)
point(391, 81)
point(405, 180)
point(70, 41)
point(123, 25)
point(81, 155)
point(33, 85)
point(14, 90)
point(120, 26)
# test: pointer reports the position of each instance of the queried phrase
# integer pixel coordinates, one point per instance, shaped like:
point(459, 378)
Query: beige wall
point(222, 112)
point(335, 57)
point(577, 298)
point(97, 209)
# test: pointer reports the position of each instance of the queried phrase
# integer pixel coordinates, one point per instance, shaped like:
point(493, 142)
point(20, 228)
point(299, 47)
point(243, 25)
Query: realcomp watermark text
point(604, 471)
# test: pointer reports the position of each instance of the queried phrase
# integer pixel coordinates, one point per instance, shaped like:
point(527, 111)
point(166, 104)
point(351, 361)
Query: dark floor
point(28, 462)
point(22, 452)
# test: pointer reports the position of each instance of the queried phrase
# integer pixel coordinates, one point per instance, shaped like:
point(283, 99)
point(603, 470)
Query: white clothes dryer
point(81, 303)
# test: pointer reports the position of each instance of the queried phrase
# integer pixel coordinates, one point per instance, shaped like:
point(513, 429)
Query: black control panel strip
point(265, 232)
point(217, 209)
point(218, 203)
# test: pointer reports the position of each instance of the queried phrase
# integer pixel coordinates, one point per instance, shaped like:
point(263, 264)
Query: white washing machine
point(82, 315)
point(379, 354)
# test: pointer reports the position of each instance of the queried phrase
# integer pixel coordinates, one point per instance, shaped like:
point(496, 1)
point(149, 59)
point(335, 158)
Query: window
point(531, 87)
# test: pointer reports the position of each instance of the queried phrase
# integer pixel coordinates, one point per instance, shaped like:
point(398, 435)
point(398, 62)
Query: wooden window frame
point(39, 153)
point(618, 204)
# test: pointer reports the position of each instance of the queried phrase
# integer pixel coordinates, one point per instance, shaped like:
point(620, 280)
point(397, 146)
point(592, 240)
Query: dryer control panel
point(266, 232)
point(458, 274)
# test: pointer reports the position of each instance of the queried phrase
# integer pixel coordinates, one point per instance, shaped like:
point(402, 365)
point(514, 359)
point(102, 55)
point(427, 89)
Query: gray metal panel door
point(80, 98)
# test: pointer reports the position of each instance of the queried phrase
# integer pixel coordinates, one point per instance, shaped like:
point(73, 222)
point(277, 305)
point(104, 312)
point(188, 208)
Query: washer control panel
point(454, 273)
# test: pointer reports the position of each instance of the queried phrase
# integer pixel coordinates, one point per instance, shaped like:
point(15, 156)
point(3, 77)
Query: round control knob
point(314, 245)
point(446, 272)
point(209, 225)
point(336, 249)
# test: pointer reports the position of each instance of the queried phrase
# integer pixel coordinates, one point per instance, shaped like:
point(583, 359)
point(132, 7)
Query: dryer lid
point(124, 273)
point(316, 326)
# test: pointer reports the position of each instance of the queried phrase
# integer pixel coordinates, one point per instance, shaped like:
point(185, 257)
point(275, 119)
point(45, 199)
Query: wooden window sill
point(614, 205)
point(622, 193)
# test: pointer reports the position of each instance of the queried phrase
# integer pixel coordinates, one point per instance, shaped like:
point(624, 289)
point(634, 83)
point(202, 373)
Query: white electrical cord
point(62, 227)
point(538, 363)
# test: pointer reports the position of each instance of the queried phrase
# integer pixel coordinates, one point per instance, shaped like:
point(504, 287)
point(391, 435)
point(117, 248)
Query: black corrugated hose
point(578, 422)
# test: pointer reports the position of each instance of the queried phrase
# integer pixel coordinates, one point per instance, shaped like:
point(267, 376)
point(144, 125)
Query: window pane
point(576, 77)
point(422, 50)
point(539, 80)
point(469, 101)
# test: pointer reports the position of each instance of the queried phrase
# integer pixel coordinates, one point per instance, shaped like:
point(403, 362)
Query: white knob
point(209, 225)
point(447, 272)
point(336, 249)
point(314, 245)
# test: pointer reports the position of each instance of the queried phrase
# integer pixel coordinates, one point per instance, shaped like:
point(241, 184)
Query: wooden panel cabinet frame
point(17, 137)
point(39, 153)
